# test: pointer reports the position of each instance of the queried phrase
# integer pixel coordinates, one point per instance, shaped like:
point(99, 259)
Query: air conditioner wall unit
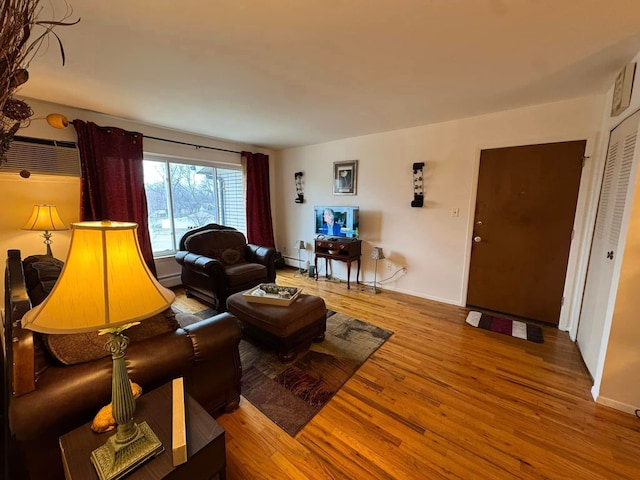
point(40, 156)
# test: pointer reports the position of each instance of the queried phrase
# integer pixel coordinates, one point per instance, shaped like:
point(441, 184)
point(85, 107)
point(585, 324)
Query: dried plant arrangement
point(22, 35)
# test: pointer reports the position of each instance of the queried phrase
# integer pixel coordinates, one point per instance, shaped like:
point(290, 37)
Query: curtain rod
point(191, 144)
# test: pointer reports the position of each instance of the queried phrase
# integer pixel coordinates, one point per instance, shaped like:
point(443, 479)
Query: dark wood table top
point(155, 408)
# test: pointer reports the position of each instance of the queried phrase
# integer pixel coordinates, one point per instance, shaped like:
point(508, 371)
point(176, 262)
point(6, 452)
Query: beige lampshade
point(104, 283)
point(376, 254)
point(44, 218)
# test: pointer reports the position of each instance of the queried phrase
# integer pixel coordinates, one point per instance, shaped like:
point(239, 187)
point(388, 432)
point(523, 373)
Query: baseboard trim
point(170, 280)
point(623, 407)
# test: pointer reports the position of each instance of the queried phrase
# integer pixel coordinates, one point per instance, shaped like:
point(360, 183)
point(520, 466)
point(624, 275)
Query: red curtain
point(259, 222)
point(113, 180)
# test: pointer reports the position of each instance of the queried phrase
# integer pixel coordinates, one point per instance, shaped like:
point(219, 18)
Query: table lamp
point(45, 218)
point(301, 246)
point(105, 285)
point(376, 254)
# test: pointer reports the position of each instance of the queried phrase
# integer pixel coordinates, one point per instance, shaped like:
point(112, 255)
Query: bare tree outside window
point(184, 196)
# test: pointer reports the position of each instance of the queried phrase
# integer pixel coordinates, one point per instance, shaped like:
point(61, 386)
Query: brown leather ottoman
point(287, 329)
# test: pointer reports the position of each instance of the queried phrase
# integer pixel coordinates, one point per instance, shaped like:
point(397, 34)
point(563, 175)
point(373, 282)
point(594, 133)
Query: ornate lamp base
point(114, 460)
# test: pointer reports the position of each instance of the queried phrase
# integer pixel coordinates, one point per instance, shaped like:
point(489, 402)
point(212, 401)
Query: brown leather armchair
point(217, 262)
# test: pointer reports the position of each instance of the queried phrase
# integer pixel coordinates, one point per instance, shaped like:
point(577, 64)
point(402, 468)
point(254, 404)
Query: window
point(182, 196)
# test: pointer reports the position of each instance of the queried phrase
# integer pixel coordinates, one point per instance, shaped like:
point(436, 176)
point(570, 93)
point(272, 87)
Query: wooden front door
point(525, 209)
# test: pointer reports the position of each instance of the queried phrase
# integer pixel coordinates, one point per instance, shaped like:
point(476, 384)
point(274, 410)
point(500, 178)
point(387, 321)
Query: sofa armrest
point(214, 334)
point(18, 343)
point(76, 393)
point(200, 263)
point(217, 358)
point(265, 256)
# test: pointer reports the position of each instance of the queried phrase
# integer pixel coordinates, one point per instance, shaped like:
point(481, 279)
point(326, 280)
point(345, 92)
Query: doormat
point(506, 326)
point(291, 394)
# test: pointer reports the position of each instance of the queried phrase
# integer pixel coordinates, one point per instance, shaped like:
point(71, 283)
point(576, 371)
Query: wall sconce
point(418, 185)
point(376, 254)
point(299, 176)
point(45, 218)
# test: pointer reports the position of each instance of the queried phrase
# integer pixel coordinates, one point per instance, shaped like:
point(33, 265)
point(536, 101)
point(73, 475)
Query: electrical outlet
point(389, 266)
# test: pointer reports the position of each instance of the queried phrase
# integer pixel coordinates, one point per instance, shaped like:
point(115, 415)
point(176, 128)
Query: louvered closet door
point(598, 297)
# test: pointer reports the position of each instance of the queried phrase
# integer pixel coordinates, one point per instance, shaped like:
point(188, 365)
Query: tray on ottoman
point(271, 294)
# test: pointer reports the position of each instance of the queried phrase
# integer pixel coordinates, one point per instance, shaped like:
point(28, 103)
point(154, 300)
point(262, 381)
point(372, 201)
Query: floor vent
point(47, 157)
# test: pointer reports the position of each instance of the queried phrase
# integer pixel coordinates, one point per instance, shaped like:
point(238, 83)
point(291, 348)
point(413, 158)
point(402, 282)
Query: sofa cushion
point(75, 348)
point(227, 246)
point(243, 273)
point(40, 274)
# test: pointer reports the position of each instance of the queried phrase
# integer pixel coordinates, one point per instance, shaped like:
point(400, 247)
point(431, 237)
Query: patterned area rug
point(291, 394)
point(506, 326)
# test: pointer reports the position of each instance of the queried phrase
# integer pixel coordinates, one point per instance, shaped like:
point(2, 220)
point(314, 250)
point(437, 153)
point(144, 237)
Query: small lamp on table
point(45, 218)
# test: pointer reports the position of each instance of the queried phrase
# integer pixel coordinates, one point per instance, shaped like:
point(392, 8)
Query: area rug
point(506, 326)
point(292, 394)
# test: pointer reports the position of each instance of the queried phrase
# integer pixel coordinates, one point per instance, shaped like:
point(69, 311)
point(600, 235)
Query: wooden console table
point(341, 249)
point(206, 457)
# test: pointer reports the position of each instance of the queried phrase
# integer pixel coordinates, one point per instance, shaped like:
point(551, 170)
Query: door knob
point(477, 239)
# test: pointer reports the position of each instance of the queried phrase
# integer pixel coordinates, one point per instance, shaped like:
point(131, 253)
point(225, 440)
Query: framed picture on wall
point(345, 175)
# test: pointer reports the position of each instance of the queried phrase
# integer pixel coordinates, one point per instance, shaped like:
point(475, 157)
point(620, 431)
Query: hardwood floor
point(438, 400)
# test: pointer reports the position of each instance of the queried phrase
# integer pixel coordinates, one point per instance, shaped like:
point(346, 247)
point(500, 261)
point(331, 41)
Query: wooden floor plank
point(440, 400)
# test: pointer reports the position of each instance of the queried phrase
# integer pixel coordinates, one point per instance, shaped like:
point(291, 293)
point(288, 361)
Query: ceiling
point(282, 73)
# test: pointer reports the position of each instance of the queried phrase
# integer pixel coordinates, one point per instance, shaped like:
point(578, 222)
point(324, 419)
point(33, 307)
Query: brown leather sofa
point(217, 262)
point(46, 398)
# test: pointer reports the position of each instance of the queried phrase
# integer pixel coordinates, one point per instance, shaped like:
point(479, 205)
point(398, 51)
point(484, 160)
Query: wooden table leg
point(348, 274)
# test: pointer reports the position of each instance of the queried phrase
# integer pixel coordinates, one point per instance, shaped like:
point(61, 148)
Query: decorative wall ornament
point(299, 176)
point(622, 89)
point(345, 177)
point(22, 35)
point(418, 185)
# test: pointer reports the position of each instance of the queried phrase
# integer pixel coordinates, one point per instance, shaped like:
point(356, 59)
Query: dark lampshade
point(376, 254)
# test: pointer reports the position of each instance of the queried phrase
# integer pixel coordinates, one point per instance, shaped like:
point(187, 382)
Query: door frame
point(583, 225)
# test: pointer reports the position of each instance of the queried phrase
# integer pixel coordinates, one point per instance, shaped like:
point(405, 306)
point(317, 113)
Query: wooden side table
point(341, 249)
point(206, 457)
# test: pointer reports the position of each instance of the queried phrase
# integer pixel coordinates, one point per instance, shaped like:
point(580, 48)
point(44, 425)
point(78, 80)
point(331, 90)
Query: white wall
point(433, 245)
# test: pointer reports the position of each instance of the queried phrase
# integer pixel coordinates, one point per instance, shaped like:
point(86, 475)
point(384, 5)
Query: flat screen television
point(337, 221)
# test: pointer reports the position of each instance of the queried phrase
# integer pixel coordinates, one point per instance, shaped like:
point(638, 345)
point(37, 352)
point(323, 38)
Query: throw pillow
point(74, 348)
point(231, 256)
point(40, 274)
